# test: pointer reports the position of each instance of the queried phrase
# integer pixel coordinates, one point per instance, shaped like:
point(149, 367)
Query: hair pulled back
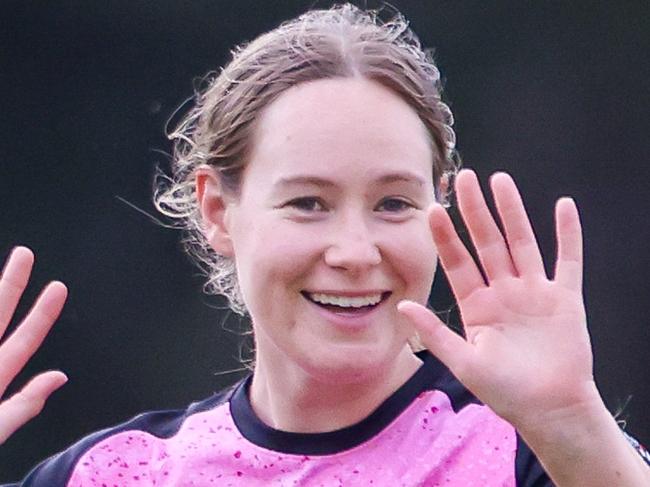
point(344, 41)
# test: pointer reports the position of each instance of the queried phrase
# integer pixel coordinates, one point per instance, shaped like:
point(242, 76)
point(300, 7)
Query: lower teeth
point(333, 307)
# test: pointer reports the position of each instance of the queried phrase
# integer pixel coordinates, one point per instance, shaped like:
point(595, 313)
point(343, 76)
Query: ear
point(443, 186)
point(213, 205)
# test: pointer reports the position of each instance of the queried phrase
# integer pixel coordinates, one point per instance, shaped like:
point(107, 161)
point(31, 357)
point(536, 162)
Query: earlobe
point(443, 188)
point(213, 206)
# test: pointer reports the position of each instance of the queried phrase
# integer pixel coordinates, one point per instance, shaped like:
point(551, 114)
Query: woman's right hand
point(16, 350)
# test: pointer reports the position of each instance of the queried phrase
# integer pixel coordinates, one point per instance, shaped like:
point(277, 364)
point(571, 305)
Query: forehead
point(345, 127)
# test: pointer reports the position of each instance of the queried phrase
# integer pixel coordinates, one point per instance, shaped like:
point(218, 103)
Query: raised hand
point(21, 345)
point(527, 352)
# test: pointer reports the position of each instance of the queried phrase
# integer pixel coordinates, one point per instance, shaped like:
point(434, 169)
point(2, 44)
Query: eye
point(306, 204)
point(394, 205)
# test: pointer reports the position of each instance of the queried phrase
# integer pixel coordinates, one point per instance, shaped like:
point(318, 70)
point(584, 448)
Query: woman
point(309, 176)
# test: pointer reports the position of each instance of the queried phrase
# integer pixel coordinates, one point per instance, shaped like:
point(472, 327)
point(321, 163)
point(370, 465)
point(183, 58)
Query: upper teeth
point(346, 301)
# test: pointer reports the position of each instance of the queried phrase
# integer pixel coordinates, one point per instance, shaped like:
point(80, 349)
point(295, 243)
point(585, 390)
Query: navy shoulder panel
point(436, 376)
point(56, 470)
point(528, 470)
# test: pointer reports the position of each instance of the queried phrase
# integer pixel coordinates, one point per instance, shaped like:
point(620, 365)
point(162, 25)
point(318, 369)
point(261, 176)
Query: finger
point(521, 239)
point(487, 238)
point(450, 348)
point(27, 403)
point(568, 268)
point(13, 281)
point(26, 339)
point(463, 274)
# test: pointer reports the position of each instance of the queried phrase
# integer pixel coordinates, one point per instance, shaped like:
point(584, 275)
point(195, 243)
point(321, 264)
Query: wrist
point(571, 445)
point(570, 430)
point(559, 417)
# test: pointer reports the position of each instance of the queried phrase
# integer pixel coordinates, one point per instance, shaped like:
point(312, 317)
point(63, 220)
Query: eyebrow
point(394, 177)
point(405, 177)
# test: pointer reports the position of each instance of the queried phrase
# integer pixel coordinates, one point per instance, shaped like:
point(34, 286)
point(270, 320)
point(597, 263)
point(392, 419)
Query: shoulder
point(154, 425)
point(528, 472)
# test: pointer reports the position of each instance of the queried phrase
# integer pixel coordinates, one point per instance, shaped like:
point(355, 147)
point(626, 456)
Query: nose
point(352, 246)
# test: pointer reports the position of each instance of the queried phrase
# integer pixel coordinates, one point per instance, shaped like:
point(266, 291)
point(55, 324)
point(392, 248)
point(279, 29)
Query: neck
point(293, 400)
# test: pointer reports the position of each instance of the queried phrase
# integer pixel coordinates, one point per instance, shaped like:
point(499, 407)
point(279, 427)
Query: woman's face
point(330, 231)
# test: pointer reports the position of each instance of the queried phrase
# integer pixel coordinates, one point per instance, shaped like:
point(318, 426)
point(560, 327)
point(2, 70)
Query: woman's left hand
point(526, 351)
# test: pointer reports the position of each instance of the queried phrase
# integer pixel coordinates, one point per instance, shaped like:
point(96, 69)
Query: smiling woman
point(366, 147)
point(223, 130)
point(309, 177)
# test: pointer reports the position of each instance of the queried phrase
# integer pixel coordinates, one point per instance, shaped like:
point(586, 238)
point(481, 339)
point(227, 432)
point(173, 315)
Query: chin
point(348, 364)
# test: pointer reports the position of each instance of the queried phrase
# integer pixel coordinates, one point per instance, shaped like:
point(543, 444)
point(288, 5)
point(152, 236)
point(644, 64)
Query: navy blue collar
point(430, 374)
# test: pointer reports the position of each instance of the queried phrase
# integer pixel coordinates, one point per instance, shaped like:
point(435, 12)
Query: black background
point(554, 92)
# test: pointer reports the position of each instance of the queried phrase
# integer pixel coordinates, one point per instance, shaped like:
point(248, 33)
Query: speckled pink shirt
point(431, 432)
point(428, 444)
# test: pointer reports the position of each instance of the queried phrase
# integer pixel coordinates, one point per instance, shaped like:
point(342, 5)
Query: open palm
point(526, 351)
point(24, 341)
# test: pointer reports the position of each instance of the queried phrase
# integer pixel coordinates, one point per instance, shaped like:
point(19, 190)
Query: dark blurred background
point(554, 92)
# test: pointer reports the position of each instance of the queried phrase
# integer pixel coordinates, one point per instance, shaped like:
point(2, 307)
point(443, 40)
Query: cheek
point(416, 259)
point(273, 259)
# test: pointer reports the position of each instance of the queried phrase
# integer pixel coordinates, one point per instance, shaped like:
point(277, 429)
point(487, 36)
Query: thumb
point(450, 348)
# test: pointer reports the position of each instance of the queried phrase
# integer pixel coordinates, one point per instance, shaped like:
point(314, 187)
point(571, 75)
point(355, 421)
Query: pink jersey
point(431, 432)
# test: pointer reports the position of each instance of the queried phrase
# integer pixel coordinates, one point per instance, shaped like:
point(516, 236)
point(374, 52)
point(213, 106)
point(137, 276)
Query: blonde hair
point(344, 41)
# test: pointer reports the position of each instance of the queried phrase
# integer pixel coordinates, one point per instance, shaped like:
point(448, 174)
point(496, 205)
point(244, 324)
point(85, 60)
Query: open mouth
point(346, 304)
